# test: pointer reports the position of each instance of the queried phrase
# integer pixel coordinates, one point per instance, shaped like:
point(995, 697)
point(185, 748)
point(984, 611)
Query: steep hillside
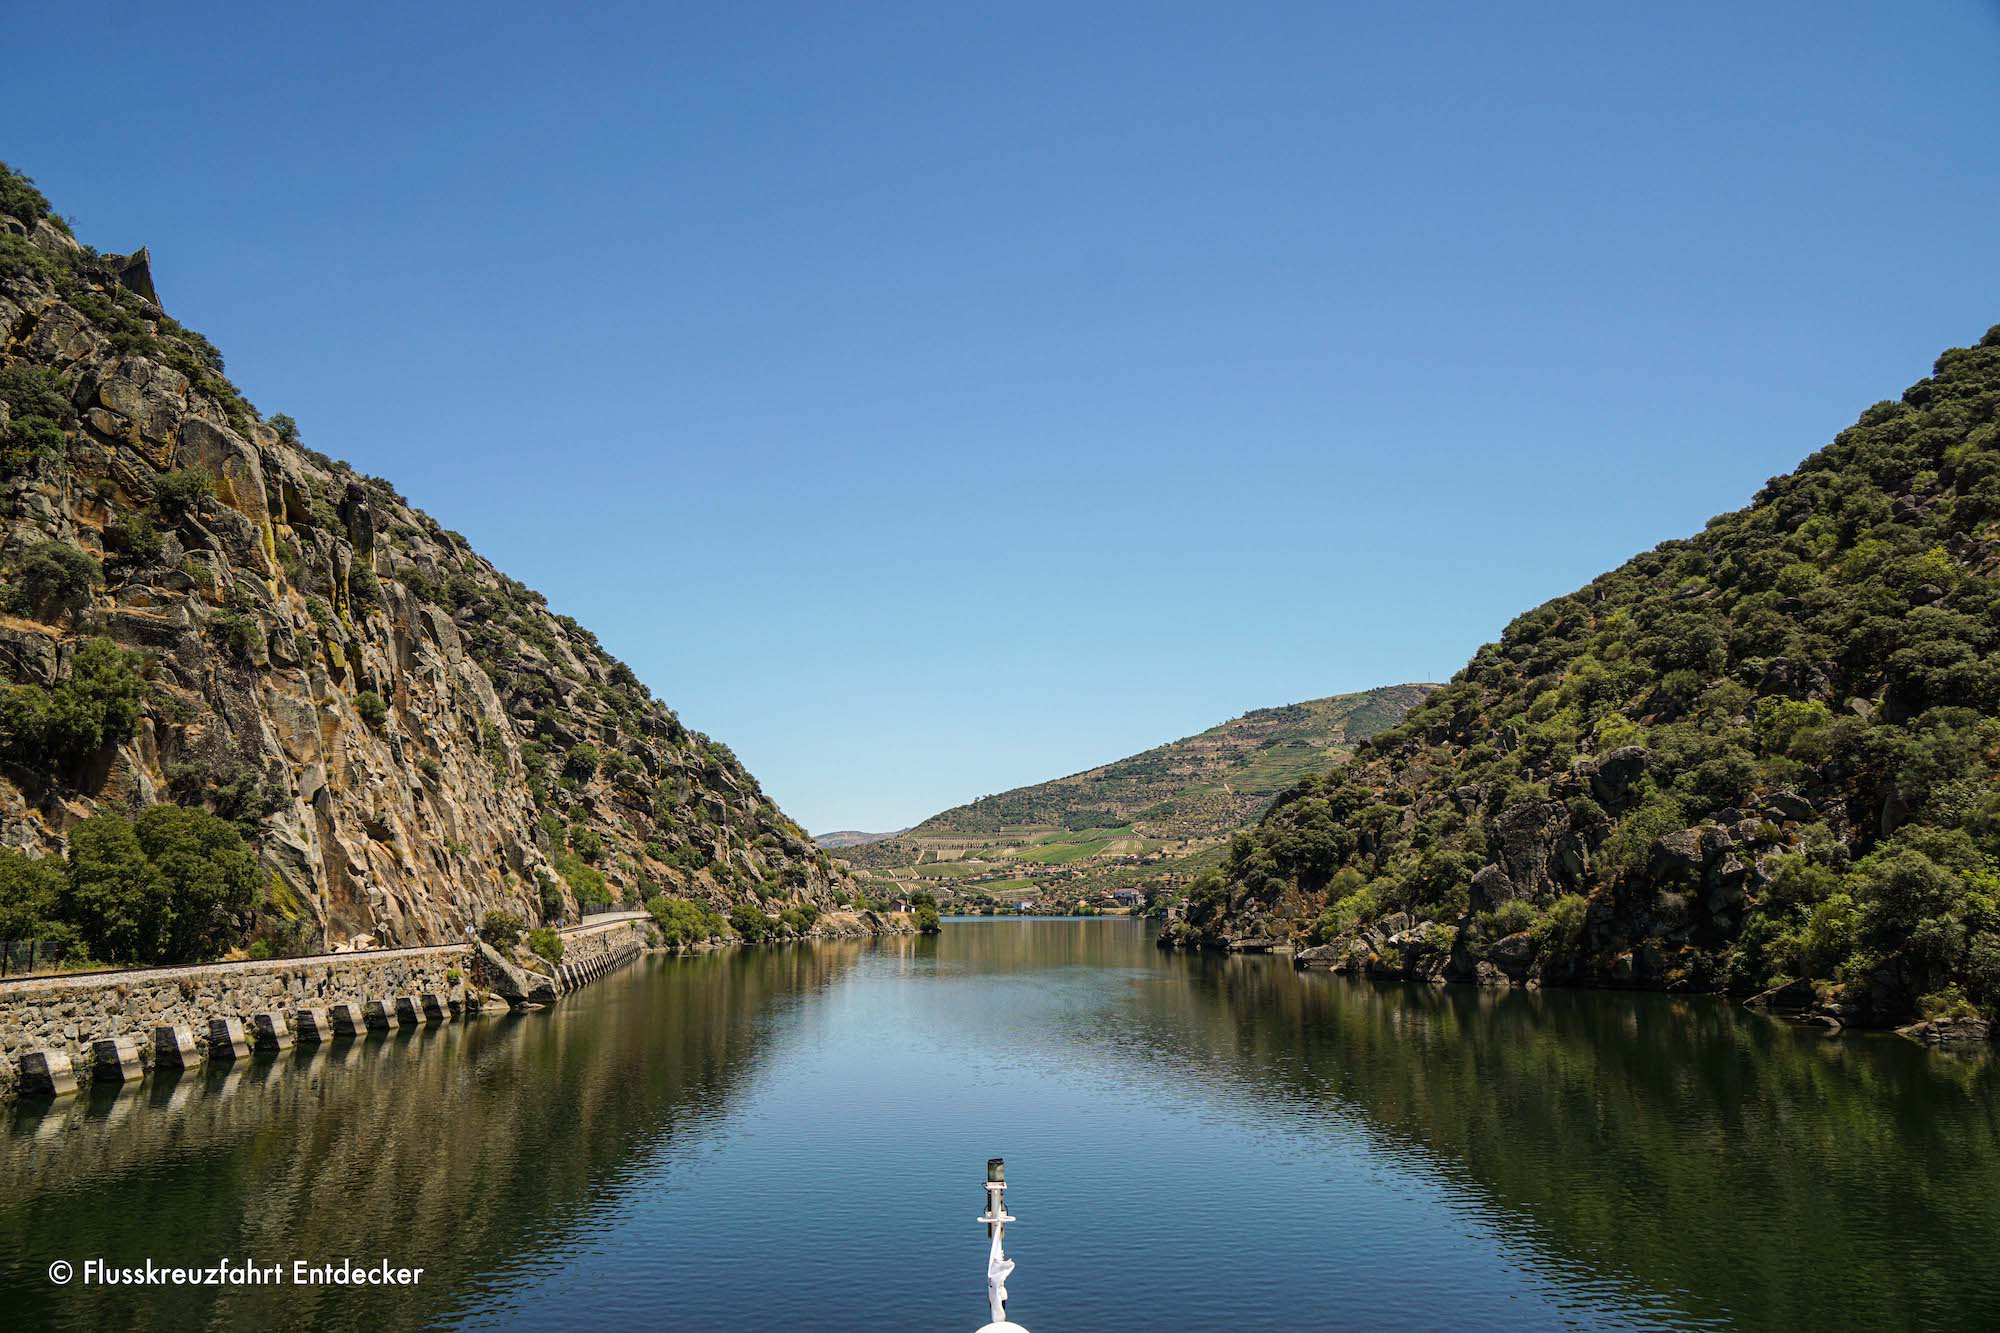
point(202, 612)
point(1151, 817)
point(1766, 752)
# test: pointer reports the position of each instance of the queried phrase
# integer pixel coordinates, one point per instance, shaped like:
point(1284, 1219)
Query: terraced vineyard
point(1148, 821)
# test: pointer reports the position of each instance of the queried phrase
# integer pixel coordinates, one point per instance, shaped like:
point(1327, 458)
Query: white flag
point(998, 1266)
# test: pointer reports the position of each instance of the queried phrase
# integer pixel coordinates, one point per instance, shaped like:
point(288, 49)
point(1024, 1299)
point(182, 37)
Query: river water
point(795, 1137)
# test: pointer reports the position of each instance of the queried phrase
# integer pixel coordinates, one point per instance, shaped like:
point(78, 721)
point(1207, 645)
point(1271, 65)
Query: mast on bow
point(998, 1265)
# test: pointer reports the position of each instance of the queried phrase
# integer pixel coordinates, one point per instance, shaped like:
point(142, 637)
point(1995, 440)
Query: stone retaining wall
point(594, 948)
point(68, 1014)
point(45, 1019)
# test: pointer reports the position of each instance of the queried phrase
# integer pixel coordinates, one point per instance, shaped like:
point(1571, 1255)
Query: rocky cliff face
point(1764, 753)
point(409, 737)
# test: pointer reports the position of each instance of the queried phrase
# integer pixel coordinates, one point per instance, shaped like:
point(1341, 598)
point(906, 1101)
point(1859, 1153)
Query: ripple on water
point(795, 1137)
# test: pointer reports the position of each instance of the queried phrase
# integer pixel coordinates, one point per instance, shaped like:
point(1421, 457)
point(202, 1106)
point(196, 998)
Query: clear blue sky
point(930, 399)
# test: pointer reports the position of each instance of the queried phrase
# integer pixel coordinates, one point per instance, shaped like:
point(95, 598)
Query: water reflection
point(784, 1137)
point(463, 1147)
point(1759, 1172)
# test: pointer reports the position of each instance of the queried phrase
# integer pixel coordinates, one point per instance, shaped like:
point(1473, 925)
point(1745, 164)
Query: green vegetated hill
point(849, 837)
point(1150, 819)
point(1764, 753)
point(251, 696)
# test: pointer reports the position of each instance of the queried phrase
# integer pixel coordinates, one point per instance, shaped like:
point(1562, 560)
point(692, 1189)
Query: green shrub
point(132, 538)
point(1557, 934)
point(54, 581)
point(1509, 918)
point(926, 920)
point(588, 842)
point(96, 705)
point(19, 198)
point(550, 892)
point(1948, 1002)
point(1208, 896)
point(683, 923)
point(39, 411)
point(22, 258)
point(667, 796)
point(285, 935)
point(547, 943)
point(242, 635)
point(183, 494)
point(580, 764)
point(587, 884)
point(501, 928)
point(751, 924)
point(31, 391)
point(1340, 917)
point(686, 858)
point(364, 590)
point(371, 707)
point(31, 445)
point(1630, 845)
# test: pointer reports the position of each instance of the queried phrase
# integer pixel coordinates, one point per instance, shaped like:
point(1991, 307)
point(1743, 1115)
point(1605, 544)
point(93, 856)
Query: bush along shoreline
point(682, 926)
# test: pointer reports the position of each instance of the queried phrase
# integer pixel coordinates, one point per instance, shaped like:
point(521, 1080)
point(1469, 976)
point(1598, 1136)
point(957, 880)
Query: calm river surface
point(795, 1138)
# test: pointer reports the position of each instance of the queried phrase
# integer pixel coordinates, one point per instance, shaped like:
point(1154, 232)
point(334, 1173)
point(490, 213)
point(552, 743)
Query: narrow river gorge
point(1193, 1141)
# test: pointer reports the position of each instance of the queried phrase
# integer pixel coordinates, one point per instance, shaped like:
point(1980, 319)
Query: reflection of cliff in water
point(1655, 1155)
point(1686, 1143)
point(454, 1148)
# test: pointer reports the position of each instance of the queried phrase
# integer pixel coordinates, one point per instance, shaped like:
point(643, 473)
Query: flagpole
point(998, 1265)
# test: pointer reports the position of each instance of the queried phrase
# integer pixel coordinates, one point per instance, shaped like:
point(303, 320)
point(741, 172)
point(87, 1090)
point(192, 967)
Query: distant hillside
point(1151, 818)
point(848, 837)
point(1201, 785)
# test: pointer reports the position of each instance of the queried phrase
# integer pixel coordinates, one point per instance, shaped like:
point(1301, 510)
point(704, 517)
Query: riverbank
point(60, 1033)
point(1397, 949)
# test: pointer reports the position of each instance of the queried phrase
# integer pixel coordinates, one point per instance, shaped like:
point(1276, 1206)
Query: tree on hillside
point(169, 887)
point(96, 705)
